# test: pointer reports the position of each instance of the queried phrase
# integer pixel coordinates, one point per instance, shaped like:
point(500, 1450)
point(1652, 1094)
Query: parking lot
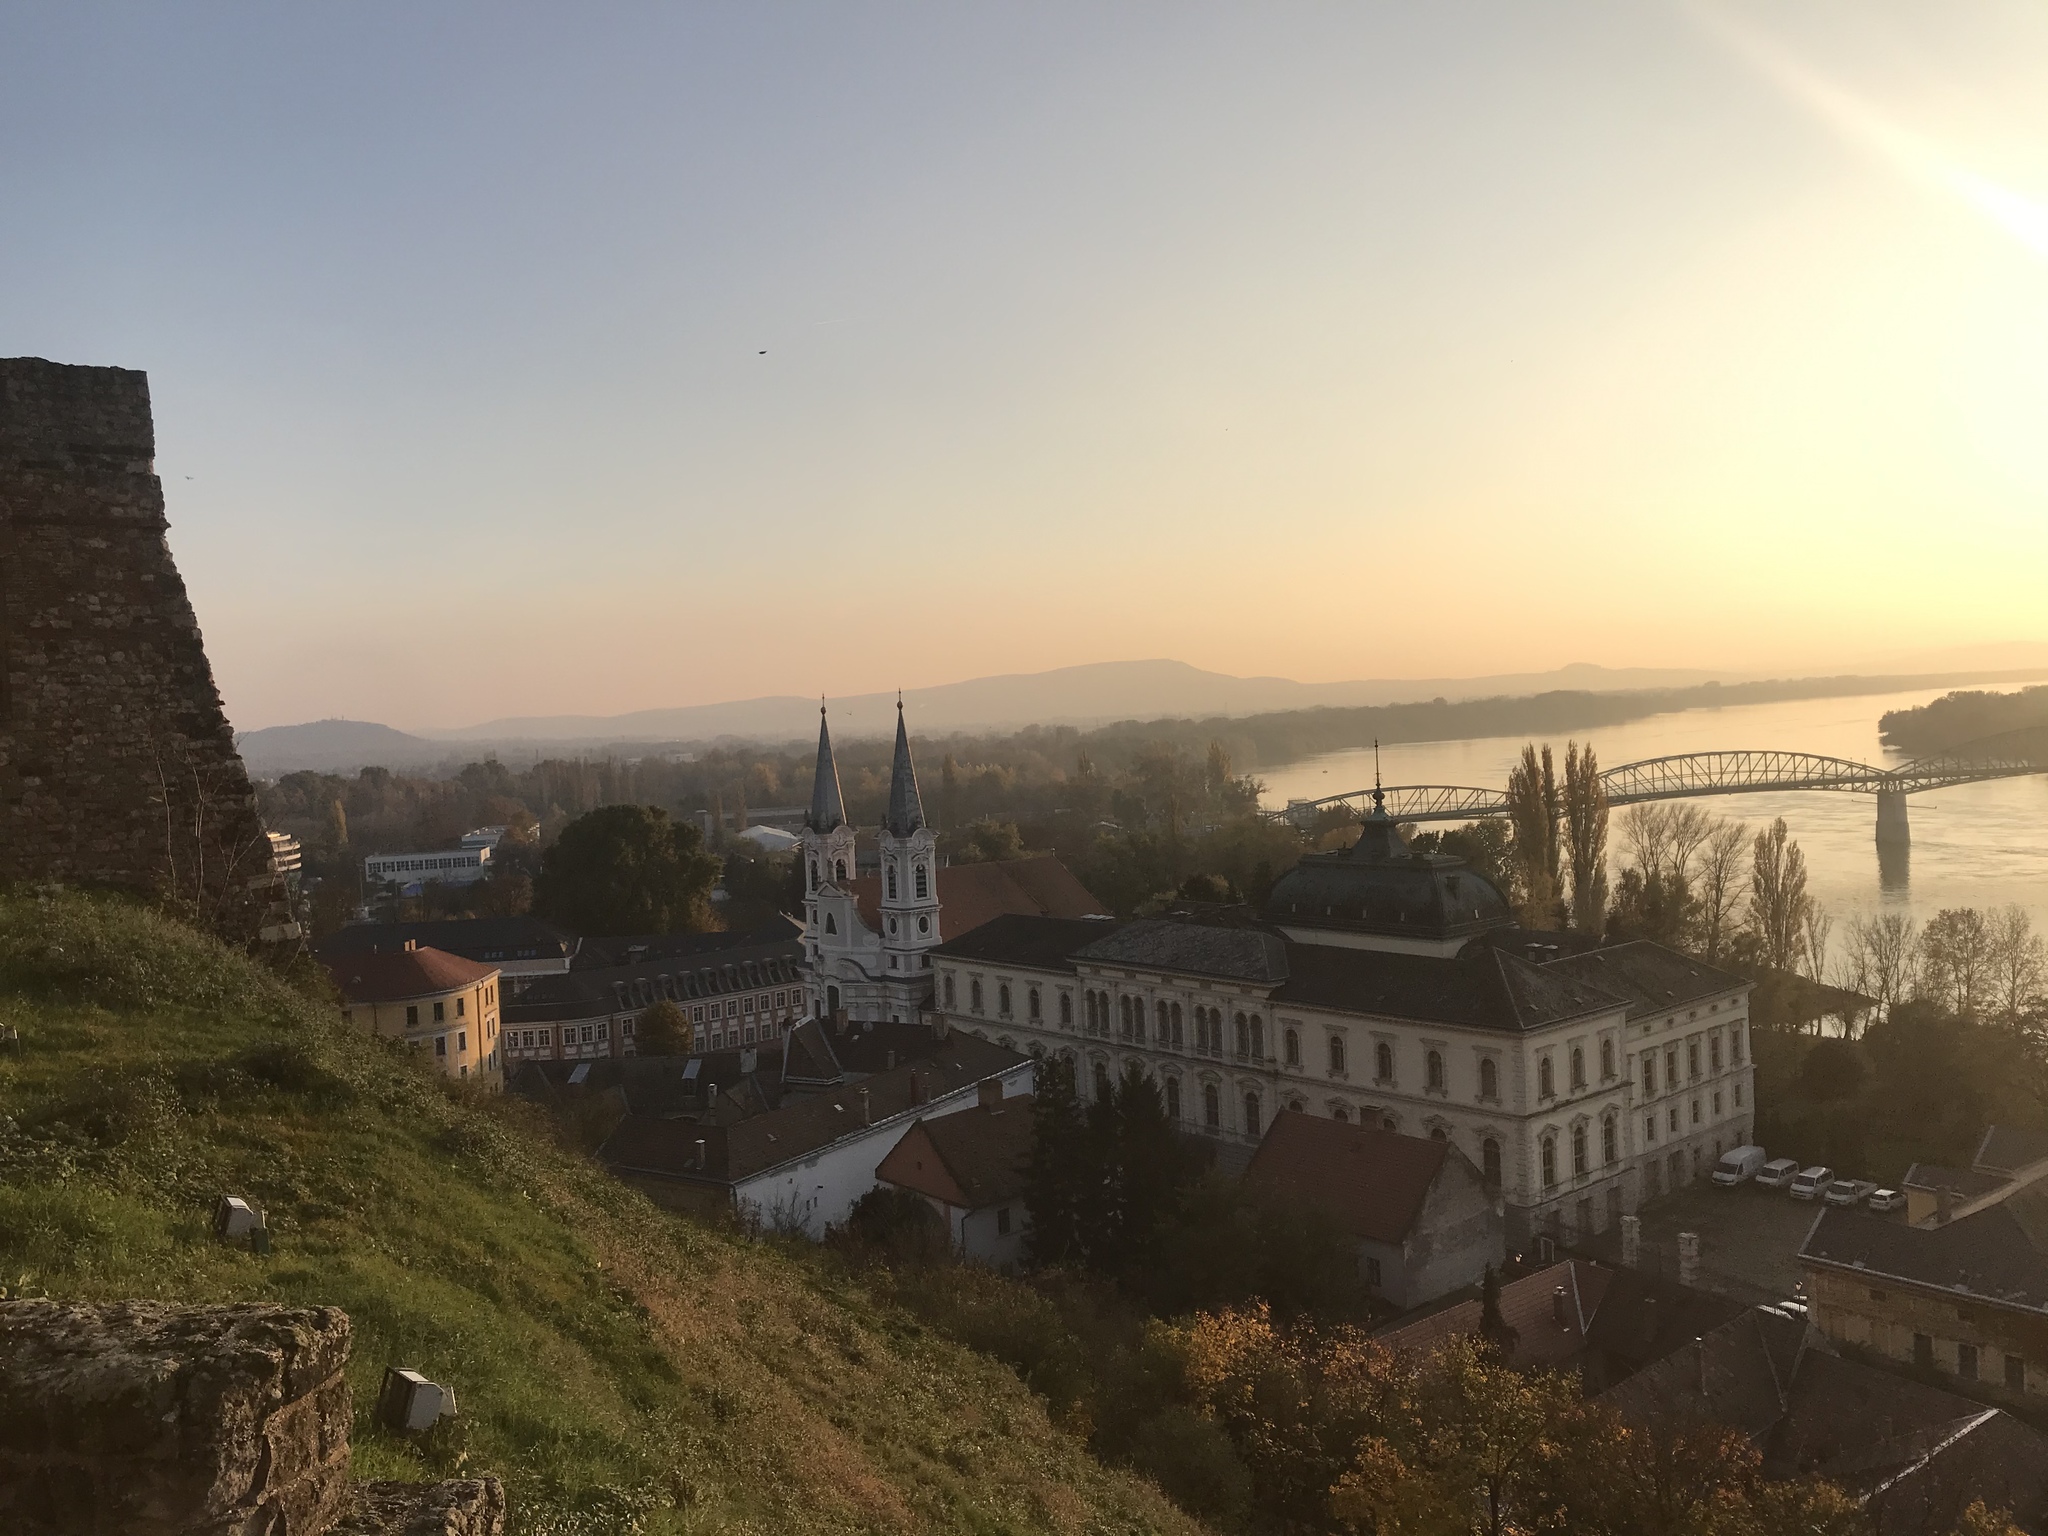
point(1749, 1238)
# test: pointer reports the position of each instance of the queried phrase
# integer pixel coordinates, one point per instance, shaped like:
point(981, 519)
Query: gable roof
point(1481, 987)
point(1192, 949)
point(1653, 978)
point(1738, 1374)
point(1643, 1318)
point(2009, 1148)
point(473, 938)
point(394, 976)
point(1528, 1305)
point(973, 1158)
point(973, 894)
point(1026, 939)
point(1997, 1256)
point(1374, 1181)
point(682, 968)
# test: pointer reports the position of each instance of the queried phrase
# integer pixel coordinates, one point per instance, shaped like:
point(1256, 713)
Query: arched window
point(839, 870)
point(1336, 1053)
point(1489, 1078)
point(1258, 1039)
point(1123, 1017)
point(1438, 1133)
point(1341, 1115)
point(1546, 1086)
point(1435, 1070)
point(1578, 1149)
point(950, 1001)
point(1606, 1059)
point(814, 874)
point(923, 882)
point(1244, 1036)
point(1101, 1083)
point(1162, 1019)
point(1176, 1026)
point(1212, 1107)
point(1033, 1006)
point(1251, 1114)
point(1173, 1098)
point(1383, 1062)
point(1489, 1160)
point(1003, 998)
point(1291, 1044)
point(1578, 1067)
point(1067, 1008)
point(1549, 1162)
point(1609, 1151)
point(974, 994)
point(892, 880)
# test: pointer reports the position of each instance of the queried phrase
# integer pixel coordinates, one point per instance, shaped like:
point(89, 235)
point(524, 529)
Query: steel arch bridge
point(1690, 775)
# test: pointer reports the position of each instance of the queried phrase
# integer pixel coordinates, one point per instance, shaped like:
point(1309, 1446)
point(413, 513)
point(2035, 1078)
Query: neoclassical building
point(1390, 986)
point(868, 938)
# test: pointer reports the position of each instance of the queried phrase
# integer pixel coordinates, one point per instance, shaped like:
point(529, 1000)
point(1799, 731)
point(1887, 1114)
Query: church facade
point(1390, 987)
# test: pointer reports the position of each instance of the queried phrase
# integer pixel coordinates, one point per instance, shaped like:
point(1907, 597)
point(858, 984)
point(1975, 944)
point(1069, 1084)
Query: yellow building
point(441, 1004)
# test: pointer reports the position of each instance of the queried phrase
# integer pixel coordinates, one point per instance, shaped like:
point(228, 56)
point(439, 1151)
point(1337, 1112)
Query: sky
point(519, 359)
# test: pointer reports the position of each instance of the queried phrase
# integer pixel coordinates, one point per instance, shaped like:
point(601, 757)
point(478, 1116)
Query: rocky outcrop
point(143, 1419)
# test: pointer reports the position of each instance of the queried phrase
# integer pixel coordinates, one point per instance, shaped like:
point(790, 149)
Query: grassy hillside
point(622, 1369)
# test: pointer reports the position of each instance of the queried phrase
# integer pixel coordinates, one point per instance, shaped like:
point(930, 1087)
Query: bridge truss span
point(1687, 775)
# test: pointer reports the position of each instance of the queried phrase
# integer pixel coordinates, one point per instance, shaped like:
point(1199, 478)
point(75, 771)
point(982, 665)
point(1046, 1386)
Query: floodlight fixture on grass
point(408, 1401)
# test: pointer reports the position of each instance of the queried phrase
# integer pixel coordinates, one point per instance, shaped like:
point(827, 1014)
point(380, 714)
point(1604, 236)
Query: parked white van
point(1778, 1172)
point(1811, 1181)
point(1738, 1166)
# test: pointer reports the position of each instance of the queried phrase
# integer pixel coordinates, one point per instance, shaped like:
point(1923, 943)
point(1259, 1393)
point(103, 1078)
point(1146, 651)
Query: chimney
point(1688, 1258)
point(700, 1154)
point(867, 1113)
point(411, 945)
point(917, 1090)
point(1631, 1242)
point(1700, 1346)
point(1557, 1307)
point(989, 1094)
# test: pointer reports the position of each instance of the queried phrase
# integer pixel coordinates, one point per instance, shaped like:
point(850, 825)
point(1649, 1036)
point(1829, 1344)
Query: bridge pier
point(1893, 829)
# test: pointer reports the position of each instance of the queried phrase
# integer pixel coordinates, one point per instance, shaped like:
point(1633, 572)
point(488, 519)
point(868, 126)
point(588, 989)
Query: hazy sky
point(514, 359)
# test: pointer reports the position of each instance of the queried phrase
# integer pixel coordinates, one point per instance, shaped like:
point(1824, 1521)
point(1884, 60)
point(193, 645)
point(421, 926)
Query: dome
point(1380, 887)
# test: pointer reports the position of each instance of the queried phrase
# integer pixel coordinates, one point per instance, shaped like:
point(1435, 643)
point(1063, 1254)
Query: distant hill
point(334, 746)
point(1095, 694)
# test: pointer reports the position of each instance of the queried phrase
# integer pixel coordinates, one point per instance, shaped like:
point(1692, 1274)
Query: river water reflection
point(1980, 845)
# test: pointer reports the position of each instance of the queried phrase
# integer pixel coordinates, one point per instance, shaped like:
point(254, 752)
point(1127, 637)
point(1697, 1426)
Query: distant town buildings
point(442, 1005)
point(447, 866)
point(521, 948)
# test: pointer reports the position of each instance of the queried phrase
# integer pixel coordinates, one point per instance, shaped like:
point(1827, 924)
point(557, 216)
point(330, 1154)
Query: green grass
point(621, 1368)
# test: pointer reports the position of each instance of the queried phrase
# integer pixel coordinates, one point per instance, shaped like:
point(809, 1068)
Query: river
point(1976, 845)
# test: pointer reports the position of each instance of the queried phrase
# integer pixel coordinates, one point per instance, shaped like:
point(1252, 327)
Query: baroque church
point(872, 919)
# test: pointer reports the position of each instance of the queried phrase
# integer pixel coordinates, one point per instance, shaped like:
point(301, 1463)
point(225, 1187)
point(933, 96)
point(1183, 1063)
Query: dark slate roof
point(906, 810)
point(637, 948)
point(1037, 943)
point(1372, 1180)
point(488, 939)
point(982, 1152)
point(1192, 949)
point(808, 1057)
point(1643, 1318)
point(973, 894)
point(1653, 978)
point(869, 1046)
point(805, 1125)
point(1997, 1256)
point(652, 1085)
point(828, 806)
point(1380, 886)
point(1481, 987)
point(695, 966)
point(2008, 1148)
point(1738, 1374)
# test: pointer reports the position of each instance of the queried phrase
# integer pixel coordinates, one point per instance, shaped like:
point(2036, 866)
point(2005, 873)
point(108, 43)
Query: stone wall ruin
point(117, 764)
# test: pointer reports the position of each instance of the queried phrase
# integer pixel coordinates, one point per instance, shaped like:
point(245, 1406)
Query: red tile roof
point(972, 894)
point(394, 975)
point(971, 1159)
point(1374, 1181)
point(1528, 1306)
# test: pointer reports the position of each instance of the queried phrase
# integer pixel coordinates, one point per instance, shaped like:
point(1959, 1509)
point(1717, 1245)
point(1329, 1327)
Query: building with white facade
point(1383, 985)
point(449, 866)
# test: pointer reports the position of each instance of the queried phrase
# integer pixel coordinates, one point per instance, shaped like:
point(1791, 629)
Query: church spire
point(828, 808)
point(906, 810)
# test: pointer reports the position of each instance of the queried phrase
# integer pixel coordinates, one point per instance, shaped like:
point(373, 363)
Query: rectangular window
point(1923, 1351)
point(1671, 1120)
point(440, 1012)
point(462, 1041)
point(1372, 1271)
point(696, 1015)
point(1003, 1221)
point(1714, 1052)
point(461, 1006)
point(1966, 1361)
point(1738, 1095)
point(1649, 1127)
point(440, 1045)
point(1695, 1111)
point(1650, 1072)
point(1692, 1058)
point(412, 1016)
point(1717, 1104)
point(2016, 1373)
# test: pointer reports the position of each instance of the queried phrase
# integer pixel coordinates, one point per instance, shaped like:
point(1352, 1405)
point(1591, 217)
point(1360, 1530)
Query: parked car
point(1808, 1183)
point(1738, 1166)
point(1849, 1191)
point(1777, 1173)
point(1887, 1200)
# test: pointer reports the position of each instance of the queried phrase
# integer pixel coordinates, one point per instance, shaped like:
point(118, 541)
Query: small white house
point(970, 1168)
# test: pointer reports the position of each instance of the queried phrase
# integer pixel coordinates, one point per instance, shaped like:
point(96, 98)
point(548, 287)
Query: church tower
point(827, 838)
point(831, 924)
point(910, 873)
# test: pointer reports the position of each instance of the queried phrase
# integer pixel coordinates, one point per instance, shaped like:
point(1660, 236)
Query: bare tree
point(1534, 809)
point(1883, 959)
point(2019, 966)
point(1721, 862)
point(1585, 831)
point(1777, 896)
point(1646, 833)
point(1955, 960)
point(1816, 926)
